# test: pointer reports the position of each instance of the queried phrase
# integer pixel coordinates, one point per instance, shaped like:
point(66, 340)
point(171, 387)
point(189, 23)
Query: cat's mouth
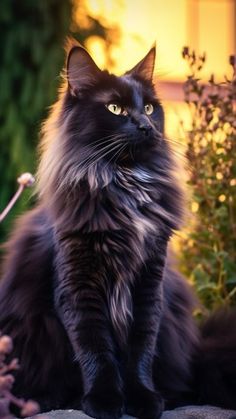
point(138, 147)
point(143, 140)
point(121, 149)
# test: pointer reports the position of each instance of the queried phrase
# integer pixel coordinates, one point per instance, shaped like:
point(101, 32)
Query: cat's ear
point(145, 67)
point(81, 70)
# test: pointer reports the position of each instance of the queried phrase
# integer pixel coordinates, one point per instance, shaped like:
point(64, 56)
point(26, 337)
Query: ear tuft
point(71, 43)
point(81, 70)
point(145, 67)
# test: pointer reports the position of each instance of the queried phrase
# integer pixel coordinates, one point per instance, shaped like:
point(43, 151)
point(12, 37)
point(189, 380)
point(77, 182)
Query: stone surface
point(199, 412)
point(188, 412)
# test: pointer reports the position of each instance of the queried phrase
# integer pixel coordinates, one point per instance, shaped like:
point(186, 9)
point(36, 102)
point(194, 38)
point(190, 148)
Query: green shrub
point(32, 35)
point(208, 253)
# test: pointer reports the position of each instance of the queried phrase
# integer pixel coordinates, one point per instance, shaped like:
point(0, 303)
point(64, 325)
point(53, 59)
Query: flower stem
point(25, 180)
point(11, 203)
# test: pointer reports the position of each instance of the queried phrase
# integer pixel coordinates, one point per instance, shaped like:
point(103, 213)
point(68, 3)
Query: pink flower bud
point(30, 408)
point(6, 344)
point(6, 382)
point(26, 179)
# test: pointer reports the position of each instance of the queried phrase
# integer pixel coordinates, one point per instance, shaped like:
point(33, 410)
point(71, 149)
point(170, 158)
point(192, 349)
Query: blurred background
point(118, 33)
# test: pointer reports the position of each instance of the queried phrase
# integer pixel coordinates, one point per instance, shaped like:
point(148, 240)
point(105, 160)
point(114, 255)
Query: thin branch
point(25, 180)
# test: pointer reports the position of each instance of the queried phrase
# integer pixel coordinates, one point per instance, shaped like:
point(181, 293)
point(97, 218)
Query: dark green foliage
point(209, 252)
point(32, 36)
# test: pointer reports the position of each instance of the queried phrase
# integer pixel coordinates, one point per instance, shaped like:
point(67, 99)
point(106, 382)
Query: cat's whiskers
point(99, 151)
point(131, 151)
point(76, 172)
point(121, 150)
point(116, 155)
point(170, 140)
point(98, 156)
point(107, 137)
point(93, 167)
point(157, 132)
point(175, 151)
point(178, 154)
point(174, 142)
point(101, 141)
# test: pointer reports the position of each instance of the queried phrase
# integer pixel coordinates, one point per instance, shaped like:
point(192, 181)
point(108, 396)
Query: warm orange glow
point(201, 24)
point(97, 48)
point(142, 24)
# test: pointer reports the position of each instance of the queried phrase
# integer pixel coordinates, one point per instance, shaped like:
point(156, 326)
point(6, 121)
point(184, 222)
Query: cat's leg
point(143, 400)
point(81, 298)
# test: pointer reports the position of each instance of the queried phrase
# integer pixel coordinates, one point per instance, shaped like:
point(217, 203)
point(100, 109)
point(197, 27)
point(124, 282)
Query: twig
point(25, 180)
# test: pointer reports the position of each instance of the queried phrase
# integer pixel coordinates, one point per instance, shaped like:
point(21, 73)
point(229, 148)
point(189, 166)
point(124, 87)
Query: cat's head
point(117, 119)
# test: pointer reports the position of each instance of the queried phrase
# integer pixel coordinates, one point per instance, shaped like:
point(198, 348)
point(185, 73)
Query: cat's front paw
point(144, 403)
point(107, 405)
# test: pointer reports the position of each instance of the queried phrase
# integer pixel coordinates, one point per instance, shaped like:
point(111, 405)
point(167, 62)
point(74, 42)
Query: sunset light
point(206, 26)
point(202, 24)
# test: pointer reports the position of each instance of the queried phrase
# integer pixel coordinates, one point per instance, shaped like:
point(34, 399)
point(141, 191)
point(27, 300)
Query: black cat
point(99, 319)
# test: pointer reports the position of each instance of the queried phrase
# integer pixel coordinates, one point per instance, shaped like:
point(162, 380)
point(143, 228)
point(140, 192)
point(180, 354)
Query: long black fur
point(98, 317)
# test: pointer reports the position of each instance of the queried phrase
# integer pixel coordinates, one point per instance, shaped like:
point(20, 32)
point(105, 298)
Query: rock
point(199, 412)
point(187, 412)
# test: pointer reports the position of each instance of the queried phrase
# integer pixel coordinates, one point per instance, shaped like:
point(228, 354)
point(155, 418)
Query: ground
point(188, 412)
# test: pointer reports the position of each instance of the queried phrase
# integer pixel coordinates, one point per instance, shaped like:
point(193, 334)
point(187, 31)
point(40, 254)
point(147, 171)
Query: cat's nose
point(145, 128)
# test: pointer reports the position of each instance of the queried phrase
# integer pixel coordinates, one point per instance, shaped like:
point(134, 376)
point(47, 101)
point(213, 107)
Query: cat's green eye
point(148, 109)
point(114, 108)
